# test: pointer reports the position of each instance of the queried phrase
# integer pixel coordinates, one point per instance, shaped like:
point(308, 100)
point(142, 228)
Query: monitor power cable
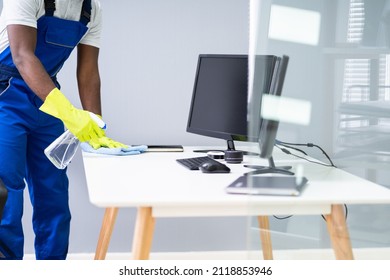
point(346, 213)
point(310, 145)
point(323, 217)
point(286, 151)
point(283, 145)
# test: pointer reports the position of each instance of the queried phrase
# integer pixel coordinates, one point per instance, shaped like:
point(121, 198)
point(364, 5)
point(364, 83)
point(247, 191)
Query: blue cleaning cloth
point(130, 150)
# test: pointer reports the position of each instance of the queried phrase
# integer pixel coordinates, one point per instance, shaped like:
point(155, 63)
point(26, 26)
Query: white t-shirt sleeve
point(24, 12)
point(27, 12)
point(92, 38)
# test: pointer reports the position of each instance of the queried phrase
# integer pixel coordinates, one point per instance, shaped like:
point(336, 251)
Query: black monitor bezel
point(221, 134)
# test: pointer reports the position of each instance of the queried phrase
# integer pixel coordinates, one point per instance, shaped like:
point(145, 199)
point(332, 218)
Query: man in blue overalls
point(37, 37)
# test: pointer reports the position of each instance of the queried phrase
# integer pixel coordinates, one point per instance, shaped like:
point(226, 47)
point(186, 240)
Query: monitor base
point(230, 147)
point(269, 169)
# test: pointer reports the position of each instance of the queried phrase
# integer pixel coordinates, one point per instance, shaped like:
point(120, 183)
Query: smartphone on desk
point(268, 185)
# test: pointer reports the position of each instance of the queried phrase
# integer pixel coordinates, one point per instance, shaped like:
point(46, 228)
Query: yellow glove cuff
point(78, 121)
point(54, 102)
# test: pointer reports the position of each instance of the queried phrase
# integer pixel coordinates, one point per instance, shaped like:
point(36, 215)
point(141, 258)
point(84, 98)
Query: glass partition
point(337, 91)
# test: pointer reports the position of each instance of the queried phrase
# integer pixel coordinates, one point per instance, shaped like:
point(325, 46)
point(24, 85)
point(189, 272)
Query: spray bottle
point(63, 149)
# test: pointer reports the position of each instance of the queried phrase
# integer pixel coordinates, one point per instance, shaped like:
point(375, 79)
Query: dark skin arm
point(88, 78)
point(23, 41)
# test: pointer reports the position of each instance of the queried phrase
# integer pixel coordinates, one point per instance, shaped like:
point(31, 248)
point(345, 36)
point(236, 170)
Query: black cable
point(278, 144)
point(346, 213)
point(318, 147)
point(282, 218)
point(316, 162)
point(323, 217)
point(293, 148)
point(310, 145)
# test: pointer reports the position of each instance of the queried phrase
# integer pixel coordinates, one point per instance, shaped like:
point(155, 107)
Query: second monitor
point(269, 127)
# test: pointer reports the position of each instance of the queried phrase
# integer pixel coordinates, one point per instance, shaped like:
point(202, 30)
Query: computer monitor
point(269, 128)
point(219, 105)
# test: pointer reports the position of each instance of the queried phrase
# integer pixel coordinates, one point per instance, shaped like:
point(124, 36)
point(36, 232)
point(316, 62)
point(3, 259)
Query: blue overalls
point(25, 132)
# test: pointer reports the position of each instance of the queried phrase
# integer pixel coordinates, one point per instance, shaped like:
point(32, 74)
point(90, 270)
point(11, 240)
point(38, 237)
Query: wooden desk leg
point(143, 233)
point(338, 232)
point(265, 236)
point(105, 232)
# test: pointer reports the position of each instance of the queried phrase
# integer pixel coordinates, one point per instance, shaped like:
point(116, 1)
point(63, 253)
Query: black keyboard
point(194, 163)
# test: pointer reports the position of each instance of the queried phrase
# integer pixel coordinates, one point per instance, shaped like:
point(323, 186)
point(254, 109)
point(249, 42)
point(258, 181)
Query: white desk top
point(155, 179)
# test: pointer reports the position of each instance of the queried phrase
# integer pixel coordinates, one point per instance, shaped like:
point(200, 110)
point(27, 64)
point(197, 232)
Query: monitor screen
point(219, 106)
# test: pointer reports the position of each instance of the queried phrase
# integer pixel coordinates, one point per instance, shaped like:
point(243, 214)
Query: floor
point(307, 254)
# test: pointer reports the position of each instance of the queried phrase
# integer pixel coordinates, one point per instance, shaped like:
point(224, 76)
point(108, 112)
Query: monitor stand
point(269, 169)
point(230, 147)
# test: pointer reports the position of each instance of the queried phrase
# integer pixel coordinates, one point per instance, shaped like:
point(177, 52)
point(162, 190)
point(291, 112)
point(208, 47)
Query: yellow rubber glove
point(105, 142)
point(79, 122)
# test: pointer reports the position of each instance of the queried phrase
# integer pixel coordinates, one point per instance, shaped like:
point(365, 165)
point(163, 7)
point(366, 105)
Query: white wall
point(147, 62)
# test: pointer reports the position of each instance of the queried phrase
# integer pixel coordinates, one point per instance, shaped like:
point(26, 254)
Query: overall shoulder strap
point(50, 7)
point(85, 16)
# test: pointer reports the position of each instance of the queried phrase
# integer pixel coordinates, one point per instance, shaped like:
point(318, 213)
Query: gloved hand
point(79, 122)
point(130, 150)
point(105, 142)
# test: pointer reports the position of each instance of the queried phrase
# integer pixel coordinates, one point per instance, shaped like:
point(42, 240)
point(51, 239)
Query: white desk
point(160, 187)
